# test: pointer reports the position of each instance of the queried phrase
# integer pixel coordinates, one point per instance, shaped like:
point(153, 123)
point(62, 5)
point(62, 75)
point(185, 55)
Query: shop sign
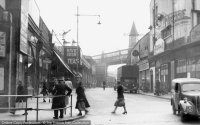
point(135, 53)
point(24, 27)
point(2, 44)
point(159, 46)
point(44, 30)
point(144, 45)
point(195, 34)
point(178, 15)
point(1, 78)
point(72, 54)
point(143, 65)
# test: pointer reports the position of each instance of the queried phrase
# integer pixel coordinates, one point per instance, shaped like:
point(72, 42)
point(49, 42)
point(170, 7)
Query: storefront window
point(191, 67)
point(197, 67)
point(181, 66)
point(1, 78)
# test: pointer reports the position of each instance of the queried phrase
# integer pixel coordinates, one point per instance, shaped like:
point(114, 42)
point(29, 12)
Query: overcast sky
point(116, 16)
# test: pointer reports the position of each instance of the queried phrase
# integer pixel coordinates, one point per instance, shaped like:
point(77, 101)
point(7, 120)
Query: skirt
point(120, 102)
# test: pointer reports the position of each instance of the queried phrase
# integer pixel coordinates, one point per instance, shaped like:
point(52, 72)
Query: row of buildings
point(31, 53)
point(171, 49)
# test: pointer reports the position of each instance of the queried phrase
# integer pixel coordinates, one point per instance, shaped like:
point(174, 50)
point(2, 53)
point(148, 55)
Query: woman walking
point(81, 103)
point(44, 91)
point(120, 98)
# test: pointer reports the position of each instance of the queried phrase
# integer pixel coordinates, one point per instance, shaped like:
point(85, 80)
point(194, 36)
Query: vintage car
point(185, 99)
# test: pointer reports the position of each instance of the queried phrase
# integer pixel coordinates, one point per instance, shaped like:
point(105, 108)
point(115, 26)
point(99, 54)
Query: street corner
point(70, 119)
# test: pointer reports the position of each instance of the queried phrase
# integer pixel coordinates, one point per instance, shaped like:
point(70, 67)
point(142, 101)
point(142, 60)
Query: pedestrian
point(20, 99)
point(68, 82)
point(81, 102)
point(59, 102)
point(104, 85)
point(44, 91)
point(120, 98)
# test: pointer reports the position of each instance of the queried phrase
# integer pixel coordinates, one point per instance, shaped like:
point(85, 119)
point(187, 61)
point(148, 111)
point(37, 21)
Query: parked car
point(185, 99)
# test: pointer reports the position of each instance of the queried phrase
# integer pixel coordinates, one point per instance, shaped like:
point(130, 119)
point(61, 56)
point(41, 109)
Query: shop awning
point(64, 64)
point(78, 74)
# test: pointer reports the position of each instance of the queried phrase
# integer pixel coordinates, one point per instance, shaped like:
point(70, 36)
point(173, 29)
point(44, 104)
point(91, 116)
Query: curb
point(155, 96)
point(72, 119)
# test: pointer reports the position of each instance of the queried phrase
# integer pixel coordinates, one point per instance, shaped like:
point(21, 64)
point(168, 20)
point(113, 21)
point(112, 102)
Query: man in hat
point(59, 102)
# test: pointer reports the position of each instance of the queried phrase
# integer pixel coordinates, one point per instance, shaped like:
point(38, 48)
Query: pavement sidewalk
point(166, 96)
point(43, 115)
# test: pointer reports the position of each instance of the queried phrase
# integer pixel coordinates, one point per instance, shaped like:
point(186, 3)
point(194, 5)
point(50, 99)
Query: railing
point(14, 108)
point(37, 106)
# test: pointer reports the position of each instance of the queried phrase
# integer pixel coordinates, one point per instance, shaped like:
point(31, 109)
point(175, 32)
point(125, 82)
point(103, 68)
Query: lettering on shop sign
point(159, 46)
point(73, 61)
point(71, 52)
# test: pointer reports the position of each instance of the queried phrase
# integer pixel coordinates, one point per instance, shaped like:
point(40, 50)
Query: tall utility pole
point(77, 15)
point(154, 22)
point(173, 21)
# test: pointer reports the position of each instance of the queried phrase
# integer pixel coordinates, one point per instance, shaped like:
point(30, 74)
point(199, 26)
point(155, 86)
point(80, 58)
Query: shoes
point(80, 114)
point(113, 112)
point(44, 100)
point(60, 116)
point(55, 117)
point(12, 112)
point(124, 112)
point(86, 111)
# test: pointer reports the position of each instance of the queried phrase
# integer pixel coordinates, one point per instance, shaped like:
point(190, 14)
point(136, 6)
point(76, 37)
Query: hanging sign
point(2, 44)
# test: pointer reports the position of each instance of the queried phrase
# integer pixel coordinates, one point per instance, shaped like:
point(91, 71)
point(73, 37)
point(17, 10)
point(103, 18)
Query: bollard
point(37, 110)
point(26, 110)
point(71, 106)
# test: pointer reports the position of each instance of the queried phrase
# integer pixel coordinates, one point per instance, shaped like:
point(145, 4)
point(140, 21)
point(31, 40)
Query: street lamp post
point(77, 15)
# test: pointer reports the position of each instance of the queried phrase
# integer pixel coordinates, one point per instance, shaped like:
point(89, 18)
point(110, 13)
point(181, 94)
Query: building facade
point(26, 52)
point(174, 40)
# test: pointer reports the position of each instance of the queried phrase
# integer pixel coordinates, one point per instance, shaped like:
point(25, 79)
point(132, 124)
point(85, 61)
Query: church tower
point(132, 41)
point(133, 36)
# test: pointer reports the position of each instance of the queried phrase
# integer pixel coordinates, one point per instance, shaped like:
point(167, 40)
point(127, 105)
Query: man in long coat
point(59, 102)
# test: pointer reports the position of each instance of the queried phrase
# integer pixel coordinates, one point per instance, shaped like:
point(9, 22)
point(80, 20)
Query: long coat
point(81, 97)
point(120, 92)
point(59, 102)
point(20, 91)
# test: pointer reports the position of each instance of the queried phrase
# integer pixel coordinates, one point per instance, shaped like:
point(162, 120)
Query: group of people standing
point(62, 90)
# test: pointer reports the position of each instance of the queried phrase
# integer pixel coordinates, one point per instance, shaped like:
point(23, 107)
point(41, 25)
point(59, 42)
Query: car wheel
point(179, 110)
point(183, 116)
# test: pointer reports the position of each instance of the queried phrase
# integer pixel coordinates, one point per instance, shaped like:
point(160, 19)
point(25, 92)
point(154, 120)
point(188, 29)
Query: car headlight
point(189, 109)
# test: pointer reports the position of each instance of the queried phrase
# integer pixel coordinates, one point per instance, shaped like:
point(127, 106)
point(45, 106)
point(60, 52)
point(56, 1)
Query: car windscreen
point(191, 87)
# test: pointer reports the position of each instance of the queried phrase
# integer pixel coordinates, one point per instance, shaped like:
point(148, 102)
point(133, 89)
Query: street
point(142, 110)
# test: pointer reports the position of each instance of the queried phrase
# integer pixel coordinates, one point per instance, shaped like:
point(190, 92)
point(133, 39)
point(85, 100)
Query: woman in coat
point(81, 103)
point(44, 91)
point(120, 98)
point(20, 91)
point(59, 102)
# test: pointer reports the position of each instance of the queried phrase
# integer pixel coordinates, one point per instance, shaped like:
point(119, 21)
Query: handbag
point(120, 103)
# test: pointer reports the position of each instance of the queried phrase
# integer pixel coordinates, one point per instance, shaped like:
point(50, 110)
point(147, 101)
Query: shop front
point(144, 76)
point(180, 62)
point(7, 79)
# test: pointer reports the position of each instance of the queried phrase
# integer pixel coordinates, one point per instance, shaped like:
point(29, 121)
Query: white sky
point(117, 17)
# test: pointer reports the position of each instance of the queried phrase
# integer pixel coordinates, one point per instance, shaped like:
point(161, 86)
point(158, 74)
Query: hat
point(61, 78)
